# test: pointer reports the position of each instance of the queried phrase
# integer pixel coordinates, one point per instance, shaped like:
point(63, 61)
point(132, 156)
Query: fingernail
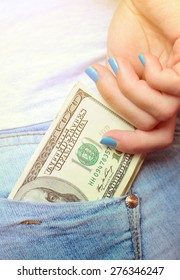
point(141, 58)
point(91, 72)
point(113, 64)
point(109, 142)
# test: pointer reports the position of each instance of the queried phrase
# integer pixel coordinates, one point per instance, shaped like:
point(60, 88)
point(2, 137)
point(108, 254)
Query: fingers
point(132, 98)
point(166, 80)
point(140, 102)
point(161, 106)
point(139, 141)
point(109, 88)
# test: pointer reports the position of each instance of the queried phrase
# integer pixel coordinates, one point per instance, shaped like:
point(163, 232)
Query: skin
point(147, 96)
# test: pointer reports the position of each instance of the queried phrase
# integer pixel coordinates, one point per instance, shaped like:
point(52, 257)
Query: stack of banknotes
point(70, 164)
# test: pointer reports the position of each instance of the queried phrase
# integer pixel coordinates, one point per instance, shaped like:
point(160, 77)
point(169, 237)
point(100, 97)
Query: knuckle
point(166, 111)
point(127, 88)
point(108, 96)
point(105, 88)
point(151, 78)
point(146, 124)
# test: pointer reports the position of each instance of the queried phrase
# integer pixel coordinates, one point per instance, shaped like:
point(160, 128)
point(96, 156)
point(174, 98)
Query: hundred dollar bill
point(70, 164)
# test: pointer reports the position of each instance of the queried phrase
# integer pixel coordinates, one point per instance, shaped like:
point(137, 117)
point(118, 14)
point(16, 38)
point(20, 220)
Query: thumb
point(139, 141)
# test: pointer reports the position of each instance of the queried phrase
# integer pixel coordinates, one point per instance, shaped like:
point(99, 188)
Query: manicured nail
point(141, 58)
point(113, 64)
point(91, 72)
point(109, 142)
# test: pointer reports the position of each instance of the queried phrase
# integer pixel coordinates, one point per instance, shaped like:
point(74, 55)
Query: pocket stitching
point(134, 221)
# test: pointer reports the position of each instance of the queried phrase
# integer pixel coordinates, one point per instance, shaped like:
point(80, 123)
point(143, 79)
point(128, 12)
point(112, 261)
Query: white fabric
point(45, 46)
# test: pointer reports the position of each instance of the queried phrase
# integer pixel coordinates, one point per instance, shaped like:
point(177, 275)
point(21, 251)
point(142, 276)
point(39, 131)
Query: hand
point(147, 108)
point(149, 104)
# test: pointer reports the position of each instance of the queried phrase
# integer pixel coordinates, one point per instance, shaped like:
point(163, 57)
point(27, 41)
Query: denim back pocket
point(104, 229)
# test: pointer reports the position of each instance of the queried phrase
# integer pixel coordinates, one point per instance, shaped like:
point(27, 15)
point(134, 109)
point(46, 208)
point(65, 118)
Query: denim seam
point(105, 204)
point(13, 145)
point(134, 220)
point(21, 135)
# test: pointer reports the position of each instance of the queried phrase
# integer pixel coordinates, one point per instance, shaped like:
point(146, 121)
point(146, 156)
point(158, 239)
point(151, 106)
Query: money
point(70, 164)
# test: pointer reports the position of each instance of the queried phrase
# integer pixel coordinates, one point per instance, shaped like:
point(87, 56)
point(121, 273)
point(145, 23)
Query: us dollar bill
point(70, 164)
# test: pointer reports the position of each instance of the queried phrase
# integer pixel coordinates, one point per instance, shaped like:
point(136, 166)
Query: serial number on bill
point(153, 271)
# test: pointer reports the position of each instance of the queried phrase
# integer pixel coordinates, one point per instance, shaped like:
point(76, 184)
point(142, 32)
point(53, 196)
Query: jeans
point(103, 229)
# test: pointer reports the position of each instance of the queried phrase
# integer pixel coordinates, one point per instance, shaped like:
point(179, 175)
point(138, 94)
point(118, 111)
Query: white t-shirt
point(45, 46)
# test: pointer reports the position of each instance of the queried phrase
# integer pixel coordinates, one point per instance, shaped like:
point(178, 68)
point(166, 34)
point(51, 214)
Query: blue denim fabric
point(98, 230)
point(105, 229)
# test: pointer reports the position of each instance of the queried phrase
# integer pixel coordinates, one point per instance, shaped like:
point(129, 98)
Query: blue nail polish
point(109, 142)
point(113, 64)
point(141, 58)
point(91, 72)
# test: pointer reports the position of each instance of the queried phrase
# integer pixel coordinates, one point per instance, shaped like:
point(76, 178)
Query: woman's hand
point(152, 112)
point(148, 96)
